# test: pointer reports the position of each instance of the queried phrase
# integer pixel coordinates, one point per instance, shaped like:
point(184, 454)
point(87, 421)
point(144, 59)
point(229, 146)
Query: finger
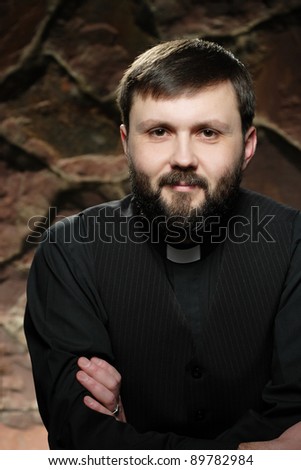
point(96, 406)
point(102, 394)
point(96, 366)
point(106, 366)
point(102, 372)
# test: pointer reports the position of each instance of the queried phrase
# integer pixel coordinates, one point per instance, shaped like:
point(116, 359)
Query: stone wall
point(60, 61)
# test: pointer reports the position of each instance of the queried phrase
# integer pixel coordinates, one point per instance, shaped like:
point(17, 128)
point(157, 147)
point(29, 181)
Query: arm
point(288, 440)
point(103, 382)
point(282, 395)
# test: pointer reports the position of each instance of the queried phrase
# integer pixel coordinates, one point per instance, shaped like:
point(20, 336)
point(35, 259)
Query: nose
point(183, 155)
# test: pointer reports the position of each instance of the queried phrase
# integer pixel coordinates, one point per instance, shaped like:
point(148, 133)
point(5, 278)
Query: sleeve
point(282, 394)
point(65, 319)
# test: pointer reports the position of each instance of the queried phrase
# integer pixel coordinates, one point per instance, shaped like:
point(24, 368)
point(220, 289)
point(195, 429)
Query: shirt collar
point(183, 255)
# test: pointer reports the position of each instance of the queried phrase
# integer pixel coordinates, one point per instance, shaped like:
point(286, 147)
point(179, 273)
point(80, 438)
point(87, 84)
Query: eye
point(209, 133)
point(158, 132)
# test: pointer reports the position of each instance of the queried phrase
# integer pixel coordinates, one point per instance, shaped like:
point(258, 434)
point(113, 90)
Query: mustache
point(187, 177)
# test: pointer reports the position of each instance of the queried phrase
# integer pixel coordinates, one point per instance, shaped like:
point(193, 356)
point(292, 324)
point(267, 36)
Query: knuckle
point(118, 378)
point(111, 401)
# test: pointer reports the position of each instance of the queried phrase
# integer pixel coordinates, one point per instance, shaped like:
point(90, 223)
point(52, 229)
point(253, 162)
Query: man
point(188, 289)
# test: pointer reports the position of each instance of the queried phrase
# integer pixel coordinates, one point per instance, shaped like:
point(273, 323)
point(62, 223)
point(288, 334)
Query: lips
point(183, 187)
point(181, 180)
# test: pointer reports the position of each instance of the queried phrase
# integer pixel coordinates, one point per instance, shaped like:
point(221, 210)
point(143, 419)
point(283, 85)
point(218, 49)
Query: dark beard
point(178, 213)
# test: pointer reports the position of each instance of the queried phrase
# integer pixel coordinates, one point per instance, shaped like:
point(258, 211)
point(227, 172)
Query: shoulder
point(258, 208)
point(76, 239)
point(249, 200)
point(261, 218)
point(83, 226)
point(117, 207)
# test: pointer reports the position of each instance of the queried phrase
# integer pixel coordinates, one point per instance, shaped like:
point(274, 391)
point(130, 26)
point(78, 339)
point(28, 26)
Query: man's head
point(185, 65)
point(187, 108)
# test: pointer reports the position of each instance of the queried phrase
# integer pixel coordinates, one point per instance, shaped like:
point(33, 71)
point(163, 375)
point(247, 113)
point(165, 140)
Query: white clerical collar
point(182, 256)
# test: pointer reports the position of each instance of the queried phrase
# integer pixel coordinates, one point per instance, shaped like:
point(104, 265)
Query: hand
point(288, 440)
point(103, 381)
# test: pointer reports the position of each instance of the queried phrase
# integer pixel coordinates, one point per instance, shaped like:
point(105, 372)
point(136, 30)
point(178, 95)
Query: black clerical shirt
point(89, 297)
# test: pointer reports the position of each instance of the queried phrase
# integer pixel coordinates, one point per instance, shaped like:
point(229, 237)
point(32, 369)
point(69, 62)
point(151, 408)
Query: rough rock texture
point(60, 61)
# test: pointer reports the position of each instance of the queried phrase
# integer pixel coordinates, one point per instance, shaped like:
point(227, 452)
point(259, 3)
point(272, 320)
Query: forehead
point(217, 101)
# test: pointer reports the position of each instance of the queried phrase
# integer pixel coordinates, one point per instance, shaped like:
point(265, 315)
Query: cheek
point(146, 161)
point(145, 165)
point(223, 162)
point(213, 171)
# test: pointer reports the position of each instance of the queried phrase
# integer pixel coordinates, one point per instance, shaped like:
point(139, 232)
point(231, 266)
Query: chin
point(181, 205)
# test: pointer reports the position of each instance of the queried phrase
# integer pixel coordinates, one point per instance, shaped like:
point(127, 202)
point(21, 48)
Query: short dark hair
point(173, 67)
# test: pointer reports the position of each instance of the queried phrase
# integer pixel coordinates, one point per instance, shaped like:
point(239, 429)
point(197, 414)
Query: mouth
point(183, 187)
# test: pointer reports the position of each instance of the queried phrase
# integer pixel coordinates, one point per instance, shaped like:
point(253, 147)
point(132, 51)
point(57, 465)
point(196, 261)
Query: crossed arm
point(103, 382)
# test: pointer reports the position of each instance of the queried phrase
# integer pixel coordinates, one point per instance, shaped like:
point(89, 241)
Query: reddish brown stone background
point(60, 61)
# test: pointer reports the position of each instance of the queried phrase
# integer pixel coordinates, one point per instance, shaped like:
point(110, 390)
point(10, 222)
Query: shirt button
point(200, 415)
point(196, 372)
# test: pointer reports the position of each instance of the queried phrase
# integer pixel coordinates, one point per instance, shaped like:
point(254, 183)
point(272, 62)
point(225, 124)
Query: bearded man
point(178, 307)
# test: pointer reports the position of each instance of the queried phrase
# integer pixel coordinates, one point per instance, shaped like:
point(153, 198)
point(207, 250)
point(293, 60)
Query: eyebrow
point(149, 123)
point(144, 126)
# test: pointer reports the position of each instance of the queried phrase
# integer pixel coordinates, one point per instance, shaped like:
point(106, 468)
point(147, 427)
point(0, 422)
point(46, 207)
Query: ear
point(123, 135)
point(250, 146)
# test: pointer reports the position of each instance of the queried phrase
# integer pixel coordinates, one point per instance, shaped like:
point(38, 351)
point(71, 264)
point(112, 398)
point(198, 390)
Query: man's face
point(187, 153)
